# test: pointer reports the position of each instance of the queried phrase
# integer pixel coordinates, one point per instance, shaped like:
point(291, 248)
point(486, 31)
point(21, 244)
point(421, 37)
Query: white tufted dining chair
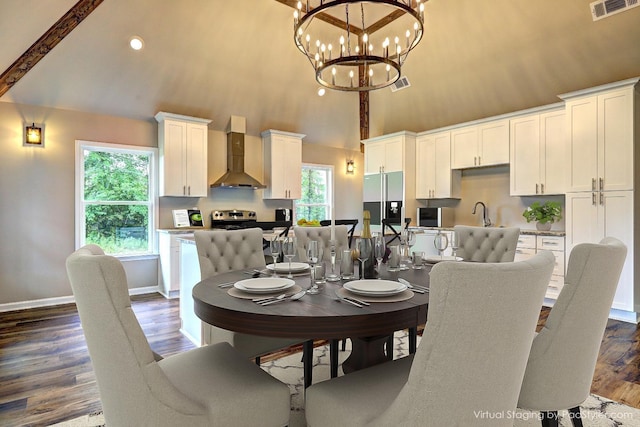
point(487, 244)
point(220, 251)
point(469, 364)
point(322, 234)
point(564, 354)
point(212, 385)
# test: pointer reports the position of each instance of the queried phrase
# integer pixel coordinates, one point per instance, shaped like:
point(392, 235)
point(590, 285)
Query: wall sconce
point(350, 167)
point(33, 136)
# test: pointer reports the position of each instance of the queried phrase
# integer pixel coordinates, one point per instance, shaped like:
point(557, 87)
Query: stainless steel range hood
point(236, 177)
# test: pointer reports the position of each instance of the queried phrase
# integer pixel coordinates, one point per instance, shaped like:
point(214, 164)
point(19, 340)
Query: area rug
point(596, 411)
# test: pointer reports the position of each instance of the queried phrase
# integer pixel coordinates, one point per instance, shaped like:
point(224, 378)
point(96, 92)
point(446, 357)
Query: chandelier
point(357, 45)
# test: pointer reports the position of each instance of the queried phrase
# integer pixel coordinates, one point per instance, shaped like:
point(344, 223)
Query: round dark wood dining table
point(319, 316)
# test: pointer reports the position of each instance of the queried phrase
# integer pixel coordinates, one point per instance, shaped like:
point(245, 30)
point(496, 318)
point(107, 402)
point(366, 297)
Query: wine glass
point(454, 242)
point(335, 260)
point(275, 246)
point(441, 241)
point(314, 255)
point(410, 241)
point(363, 245)
point(289, 251)
point(379, 249)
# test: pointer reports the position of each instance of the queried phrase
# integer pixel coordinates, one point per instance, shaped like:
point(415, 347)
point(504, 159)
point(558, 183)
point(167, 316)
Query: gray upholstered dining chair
point(220, 251)
point(469, 364)
point(212, 385)
point(322, 234)
point(487, 244)
point(564, 354)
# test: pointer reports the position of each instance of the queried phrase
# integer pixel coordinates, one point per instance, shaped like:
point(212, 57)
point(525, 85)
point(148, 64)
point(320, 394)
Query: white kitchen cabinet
point(182, 143)
point(434, 177)
point(591, 216)
point(190, 323)
point(601, 134)
point(529, 245)
point(388, 152)
point(282, 164)
point(538, 154)
point(484, 144)
point(169, 251)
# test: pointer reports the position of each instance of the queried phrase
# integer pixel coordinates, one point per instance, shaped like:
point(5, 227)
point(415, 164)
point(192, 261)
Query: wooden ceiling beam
point(46, 42)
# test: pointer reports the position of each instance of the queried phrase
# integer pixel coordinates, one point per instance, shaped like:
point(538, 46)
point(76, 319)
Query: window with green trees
point(315, 203)
point(116, 197)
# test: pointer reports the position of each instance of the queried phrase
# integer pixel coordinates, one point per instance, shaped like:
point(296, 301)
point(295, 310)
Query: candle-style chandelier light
point(358, 45)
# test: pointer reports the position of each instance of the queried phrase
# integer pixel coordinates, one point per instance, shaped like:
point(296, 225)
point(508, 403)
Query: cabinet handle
point(593, 199)
point(593, 184)
point(189, 190)
point(541, 188)
point(475, 160)
point(601, 184)
point(184, 190)
point(602, 199)
point(479, 160)
point(536, 188)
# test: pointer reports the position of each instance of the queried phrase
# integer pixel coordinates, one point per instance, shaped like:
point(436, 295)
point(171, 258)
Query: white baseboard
point(49, 302)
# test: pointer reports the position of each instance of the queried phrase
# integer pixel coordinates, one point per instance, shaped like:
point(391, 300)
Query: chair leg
point(549, 418)
point(344, 344)
point(576, 416)
point(413, 340)
point(333, 357)
point(307, 357)
point(257, 360)
point(390, 347)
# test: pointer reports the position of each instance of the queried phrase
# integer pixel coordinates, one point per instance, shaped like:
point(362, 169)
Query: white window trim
point(330, 184)
point(153, 190)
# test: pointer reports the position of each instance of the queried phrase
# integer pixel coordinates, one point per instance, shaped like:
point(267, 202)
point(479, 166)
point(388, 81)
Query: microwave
point(429, 217)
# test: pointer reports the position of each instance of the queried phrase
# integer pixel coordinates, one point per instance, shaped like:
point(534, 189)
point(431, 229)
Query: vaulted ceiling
point(216, 58)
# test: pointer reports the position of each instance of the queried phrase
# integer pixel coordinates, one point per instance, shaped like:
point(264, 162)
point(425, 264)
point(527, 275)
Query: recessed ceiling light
point(321, 91)
point(136, 43)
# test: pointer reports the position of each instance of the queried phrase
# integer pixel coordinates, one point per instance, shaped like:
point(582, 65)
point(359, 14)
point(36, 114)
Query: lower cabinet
point(191, 325)
point(529, 245)
point(169, 249)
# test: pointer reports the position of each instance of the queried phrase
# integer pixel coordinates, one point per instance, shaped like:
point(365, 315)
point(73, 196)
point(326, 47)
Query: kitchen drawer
point(550, 243)
point(526, 241)
point(555, 286)
point(558, 268)
point(524, 253)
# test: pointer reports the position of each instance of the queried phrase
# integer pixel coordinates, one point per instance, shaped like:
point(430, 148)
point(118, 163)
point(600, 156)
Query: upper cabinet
point(388, 153)
point(182, 143)
point(434, 177)
point(484, 144)
point(538, 153)
point(600, 132)
point(282, 164)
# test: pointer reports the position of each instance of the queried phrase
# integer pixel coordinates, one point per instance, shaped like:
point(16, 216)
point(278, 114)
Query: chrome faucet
point(486, 222)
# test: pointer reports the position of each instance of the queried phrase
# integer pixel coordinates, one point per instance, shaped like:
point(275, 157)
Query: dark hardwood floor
point(46, 374)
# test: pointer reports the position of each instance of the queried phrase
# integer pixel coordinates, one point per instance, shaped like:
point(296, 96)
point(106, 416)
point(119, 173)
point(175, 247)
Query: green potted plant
point(544, 214)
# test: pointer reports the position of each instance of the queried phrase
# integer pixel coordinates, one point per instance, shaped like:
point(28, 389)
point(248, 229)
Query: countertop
point(183, 230)
point(524, 231)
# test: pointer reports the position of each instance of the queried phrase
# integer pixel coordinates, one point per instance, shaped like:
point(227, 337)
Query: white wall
point(37, 230)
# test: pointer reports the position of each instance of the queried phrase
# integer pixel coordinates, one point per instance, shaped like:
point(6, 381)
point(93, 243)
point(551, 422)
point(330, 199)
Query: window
point(317, 193)
point(116, 197)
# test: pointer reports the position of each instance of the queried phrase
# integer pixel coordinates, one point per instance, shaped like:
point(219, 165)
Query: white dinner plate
point(263, 285)
point(433, 259)
point(283, 267)
point(374, 287)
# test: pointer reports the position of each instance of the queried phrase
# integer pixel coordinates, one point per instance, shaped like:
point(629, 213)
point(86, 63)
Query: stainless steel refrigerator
point(383, 198)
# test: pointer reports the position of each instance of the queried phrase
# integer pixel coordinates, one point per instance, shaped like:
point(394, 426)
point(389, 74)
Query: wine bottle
point(370, 262)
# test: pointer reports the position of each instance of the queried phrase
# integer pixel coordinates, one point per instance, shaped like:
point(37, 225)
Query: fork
point(414, 288)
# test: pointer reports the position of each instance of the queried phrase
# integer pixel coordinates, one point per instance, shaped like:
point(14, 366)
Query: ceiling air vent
point(605, 8)
point(401, 83)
